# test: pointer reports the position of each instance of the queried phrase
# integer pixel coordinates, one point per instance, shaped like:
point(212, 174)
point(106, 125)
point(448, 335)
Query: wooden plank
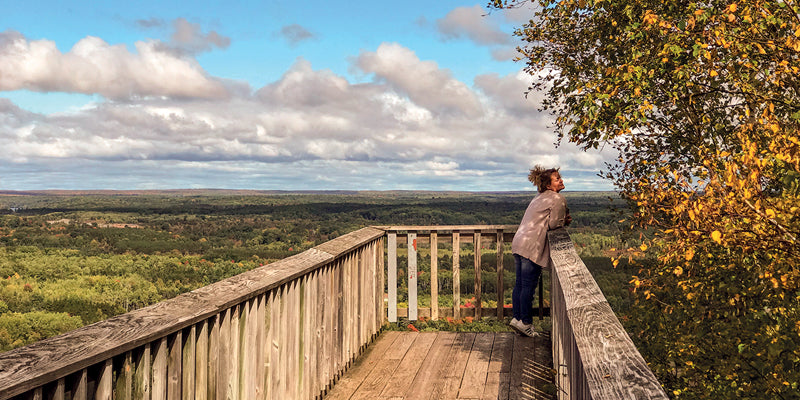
point(238, 317)
point(434, 276)
point(160, 380)
point(60, 389)
point(224, 358)
point(448, 228)
point(498, 375)
point(412, 276)
point(214, 362)
point(456, 275)
point(124, 380)
point(81, 388)
point(250, 382)
point(374, 383)
point(189, 364)
point(105, 387)
point(392, 276)
point(201, 361)
point(271, 350)
point(522, 369)
point(456, 362)
point(476, 243)
point(346, 387)
point(475, 372)
point(500, 271)
point(174, 370)
point(431, 372)
point(324, 358)
point(399, 382)
point(141, 374)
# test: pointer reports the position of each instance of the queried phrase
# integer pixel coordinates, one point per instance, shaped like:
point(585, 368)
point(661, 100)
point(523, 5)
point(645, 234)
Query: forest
point(69, 259)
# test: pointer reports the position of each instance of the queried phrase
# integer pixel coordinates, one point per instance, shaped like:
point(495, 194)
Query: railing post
point(500, 289)
point(434, 276)
point(476, 243)
point(456, 276)
point(392, 275)
point(412, 276)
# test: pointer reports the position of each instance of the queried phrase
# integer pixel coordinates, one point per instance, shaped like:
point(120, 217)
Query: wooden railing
point(286, 330)
point(290, 329)
point(595, 357)
point(414, 239)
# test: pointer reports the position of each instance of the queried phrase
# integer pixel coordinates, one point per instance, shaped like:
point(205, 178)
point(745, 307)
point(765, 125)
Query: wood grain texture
point(601, 360)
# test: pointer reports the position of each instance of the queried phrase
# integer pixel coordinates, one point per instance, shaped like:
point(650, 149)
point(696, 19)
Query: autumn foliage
point(702, 102)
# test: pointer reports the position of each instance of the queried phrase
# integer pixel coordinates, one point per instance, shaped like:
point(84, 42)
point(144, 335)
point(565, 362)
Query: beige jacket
point(545, 212)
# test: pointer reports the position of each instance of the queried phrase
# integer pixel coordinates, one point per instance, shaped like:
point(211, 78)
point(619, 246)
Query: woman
point(548, 210)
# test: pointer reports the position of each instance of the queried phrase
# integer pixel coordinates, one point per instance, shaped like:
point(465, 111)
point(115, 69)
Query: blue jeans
point(528, 273)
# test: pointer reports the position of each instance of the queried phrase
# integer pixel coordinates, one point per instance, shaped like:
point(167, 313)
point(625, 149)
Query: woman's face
point(556, 183)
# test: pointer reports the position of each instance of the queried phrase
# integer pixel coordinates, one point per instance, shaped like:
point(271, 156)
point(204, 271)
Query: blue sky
point(310, 95)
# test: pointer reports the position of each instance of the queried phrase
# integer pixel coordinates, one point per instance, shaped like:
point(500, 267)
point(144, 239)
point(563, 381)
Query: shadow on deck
point(450, 365)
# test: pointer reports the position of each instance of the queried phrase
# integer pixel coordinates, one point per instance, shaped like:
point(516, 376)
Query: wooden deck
point(449, 365)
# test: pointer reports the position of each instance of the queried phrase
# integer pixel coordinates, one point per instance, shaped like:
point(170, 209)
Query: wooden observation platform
point(310, 326)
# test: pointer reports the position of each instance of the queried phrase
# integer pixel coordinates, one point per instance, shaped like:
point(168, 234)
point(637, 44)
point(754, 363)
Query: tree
point(702, 102)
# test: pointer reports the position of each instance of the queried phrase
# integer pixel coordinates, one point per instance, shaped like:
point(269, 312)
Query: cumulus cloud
point(93, 66)
point(474, 24)
point(422, 81)
point(310, 129)
point(295, 34)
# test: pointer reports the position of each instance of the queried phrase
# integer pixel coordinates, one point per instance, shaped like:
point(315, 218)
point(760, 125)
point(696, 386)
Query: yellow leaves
point(689, 255)
point(643, 247)
point(716, 236)
point(713, 73)
point(678, 271)
point(770, 213)
point(731, 8)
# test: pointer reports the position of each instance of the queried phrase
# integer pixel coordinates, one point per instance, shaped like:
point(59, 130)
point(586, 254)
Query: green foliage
point(701, 101)
point(19, 329)
point(83, 258)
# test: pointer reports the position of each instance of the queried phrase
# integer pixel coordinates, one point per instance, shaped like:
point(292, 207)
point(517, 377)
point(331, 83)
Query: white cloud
point(412, 125)
point(422, 81)
point(93, 66)
point(473, 23)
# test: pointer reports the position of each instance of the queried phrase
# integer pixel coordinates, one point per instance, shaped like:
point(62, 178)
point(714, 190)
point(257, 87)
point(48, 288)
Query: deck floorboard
point(448, 365)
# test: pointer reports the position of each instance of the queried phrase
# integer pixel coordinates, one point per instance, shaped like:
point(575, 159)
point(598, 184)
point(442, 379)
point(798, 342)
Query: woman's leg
point(528, 274)
point(515, 294)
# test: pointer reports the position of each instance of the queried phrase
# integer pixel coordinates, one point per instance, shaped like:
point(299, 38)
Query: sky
point(272, 95)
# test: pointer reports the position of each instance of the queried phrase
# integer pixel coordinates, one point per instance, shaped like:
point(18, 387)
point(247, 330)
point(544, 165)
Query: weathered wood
point(431, 372)
point(392, 275)
point(601, 360)
point(347, 386)
point(141, 374)
point(476, 244)
point(160, 359)
point(434, 276)
point(201, 361)
point(477, 367)
point(500, 270)
point(448, 228)
point(412, 276)
point(174, 360)
point(124, 380)
point(104, 386)
point(498, 374)
point(189, 362)
point(399, 382)
point(456, 275)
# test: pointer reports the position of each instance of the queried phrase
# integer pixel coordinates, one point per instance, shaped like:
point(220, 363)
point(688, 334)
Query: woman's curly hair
point(541, 177)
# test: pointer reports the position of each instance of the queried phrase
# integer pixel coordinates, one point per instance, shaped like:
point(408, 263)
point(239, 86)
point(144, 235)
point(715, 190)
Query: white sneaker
point(522, 328)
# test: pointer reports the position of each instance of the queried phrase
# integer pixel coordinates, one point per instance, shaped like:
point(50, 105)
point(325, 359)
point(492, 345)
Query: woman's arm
point(558, 213)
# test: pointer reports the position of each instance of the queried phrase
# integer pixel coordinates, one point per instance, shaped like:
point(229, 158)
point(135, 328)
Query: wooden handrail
point(595, 357)
point(286, 330)
point(502, 234)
